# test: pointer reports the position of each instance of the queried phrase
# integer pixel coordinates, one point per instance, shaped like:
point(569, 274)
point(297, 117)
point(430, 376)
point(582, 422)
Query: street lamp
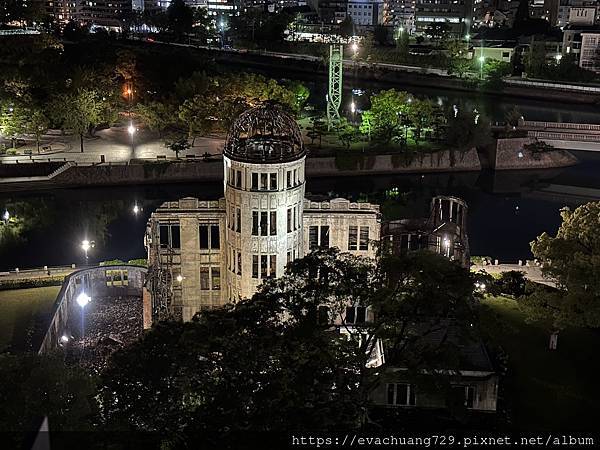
point(86, 245)
point(481, 61)
point(558, 58)
point(6, 215)
point(136, 209)
point(131, 130)
point(82, 300)
point(354, 48)
point(467, 37)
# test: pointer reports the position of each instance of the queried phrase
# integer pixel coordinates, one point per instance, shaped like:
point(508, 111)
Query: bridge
point(569, 136)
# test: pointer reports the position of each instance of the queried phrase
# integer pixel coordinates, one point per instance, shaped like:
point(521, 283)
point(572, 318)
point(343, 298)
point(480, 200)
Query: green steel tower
point(334, 96)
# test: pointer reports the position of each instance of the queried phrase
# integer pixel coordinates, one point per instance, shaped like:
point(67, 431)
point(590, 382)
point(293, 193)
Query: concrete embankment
point(181, 171)
point(511, 154)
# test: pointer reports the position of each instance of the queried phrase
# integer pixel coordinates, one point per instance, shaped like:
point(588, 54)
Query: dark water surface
point(506, 210)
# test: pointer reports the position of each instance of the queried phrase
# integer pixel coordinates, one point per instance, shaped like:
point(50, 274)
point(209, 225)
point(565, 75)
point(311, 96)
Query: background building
point(455, 14)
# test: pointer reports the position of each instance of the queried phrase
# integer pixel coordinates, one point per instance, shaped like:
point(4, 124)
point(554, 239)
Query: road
point(114, 143)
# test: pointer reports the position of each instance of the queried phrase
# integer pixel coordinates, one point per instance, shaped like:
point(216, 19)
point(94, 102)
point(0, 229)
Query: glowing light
point(83, 299)
point(353, 107)
point(467, 36)
point(179, 278)
point(86, 245)
point(558, 57)
point(136, 209)
point(354, 47)
point(64, 338)
point(481, 59)
point(6, 215)
point(131, 129)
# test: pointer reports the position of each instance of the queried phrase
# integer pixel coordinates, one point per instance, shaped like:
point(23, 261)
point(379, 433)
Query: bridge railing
point(559, 125)
point(564, 136)
point(94, 282)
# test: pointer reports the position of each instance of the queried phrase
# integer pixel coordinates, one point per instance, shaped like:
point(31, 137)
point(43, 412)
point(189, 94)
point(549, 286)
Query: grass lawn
point(546, 390)
point(20, 310)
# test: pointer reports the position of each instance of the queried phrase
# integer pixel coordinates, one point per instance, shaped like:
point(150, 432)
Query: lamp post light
point(82, 300)
point(481, 61)
point(6, 216)
point(446, 243)
point(136, 209)
point(86, 245)
point(558, 57)
point(131, 130)
point(467, 37)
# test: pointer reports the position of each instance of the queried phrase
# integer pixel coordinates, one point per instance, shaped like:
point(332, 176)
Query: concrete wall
point(353, 163)
point(93, 282)
point(510, 155)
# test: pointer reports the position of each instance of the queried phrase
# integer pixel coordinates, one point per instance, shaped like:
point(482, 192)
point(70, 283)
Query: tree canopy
point(572, 259)
point(275, 362)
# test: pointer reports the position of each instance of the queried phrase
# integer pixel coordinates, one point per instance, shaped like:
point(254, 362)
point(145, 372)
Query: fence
point(557, 86)
point(564, 136)
point(561, 126)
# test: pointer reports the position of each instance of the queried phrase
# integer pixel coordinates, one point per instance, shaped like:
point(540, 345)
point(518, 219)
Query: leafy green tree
point(13, 121)
point(318, 127)
point(512, 283)
point(37, 125)
point(513, 116)
point(535, 59)
point(203, 25)
point(194, 114)
point(572, 260)
point(346, 132)
point(420, 114)
point(301, 93)
point(157, 116)
point(366, 123)
point(178, 144)
point(386, 108)
point(460, 66)
point(81, 111)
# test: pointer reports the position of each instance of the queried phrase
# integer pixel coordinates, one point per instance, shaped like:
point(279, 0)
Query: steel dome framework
point(264, 134)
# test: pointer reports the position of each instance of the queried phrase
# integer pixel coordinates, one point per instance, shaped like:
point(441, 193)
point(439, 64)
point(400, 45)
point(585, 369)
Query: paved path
point(114, 144)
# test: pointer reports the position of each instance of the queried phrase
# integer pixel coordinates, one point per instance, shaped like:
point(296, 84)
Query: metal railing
point(562, 126)
point(564, 136)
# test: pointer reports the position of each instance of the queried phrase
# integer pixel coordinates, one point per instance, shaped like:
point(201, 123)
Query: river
point(506, 210)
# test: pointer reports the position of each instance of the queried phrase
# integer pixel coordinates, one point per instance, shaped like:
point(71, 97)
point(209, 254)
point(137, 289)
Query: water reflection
point(506, 210)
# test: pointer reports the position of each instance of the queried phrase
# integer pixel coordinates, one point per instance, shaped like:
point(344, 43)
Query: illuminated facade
point(216, 252)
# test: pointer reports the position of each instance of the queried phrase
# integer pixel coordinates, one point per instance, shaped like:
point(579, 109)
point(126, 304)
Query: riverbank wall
point(504, 157)
point(185, 171)
point(510, 154)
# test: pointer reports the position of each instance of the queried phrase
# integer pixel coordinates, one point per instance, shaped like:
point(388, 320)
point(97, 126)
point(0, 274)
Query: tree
point(37, 125)
point(13, 121)
point(346, 132)
point(512, 283)
point(178, 144)
point(81, 111)
point(33, 386)
point(402, 43)
point(466, 130)
point(180, 18)
point(420, 114)
point(318, 127)
point(195, 115)
point(275, 363)
point(459, 66)
point(157, 116)
point(380, 34)
point(386, 108)
point(346, 27)
point(366, 123)
point(572, 260)
point(513, 116)
point(535, 59)
point(203, 25)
